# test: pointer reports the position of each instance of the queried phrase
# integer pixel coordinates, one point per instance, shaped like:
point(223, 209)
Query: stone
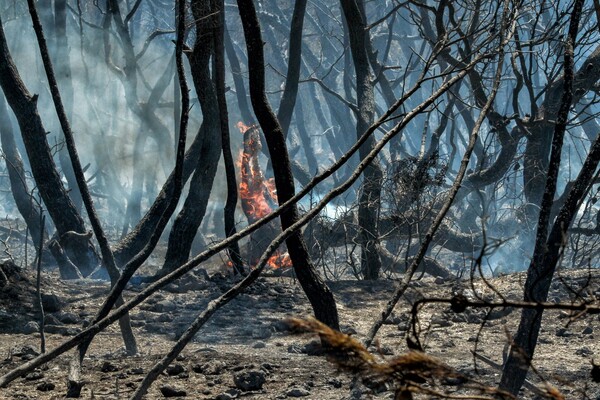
point(68, 317)
point(31, 327)
point(46, 386)
point(563, 332)
point(175, 369)
point(499, 313)
point(164, 317)
point(281, 326)
point(230, 394)
point(459, 318)
point(107, 366)
point(51, 303)
point(249, 380)
point(584, 351)
point(442, 321)
point(588, 330)
point(297, 392)
point(348, 330)
point(313, 348)
point(336, 383)
point(136, 371)
point(34, 376)
point(25, 352)
point(259, 345)
point(171, 391)
point(50, 319)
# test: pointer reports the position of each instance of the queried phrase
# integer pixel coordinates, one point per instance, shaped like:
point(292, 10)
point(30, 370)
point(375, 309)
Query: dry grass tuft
point(406, 373)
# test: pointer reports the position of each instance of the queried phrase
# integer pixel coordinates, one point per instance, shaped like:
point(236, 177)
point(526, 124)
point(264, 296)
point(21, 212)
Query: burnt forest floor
point(244, 352)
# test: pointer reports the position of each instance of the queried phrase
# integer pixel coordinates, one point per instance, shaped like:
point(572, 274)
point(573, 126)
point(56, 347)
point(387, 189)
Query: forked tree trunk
point(316, 290)
point(189, 219)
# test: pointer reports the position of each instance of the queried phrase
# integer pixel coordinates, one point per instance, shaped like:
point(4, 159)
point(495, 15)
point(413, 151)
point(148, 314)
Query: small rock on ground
point(297, 392)
point(171, 391)
point(249, 380)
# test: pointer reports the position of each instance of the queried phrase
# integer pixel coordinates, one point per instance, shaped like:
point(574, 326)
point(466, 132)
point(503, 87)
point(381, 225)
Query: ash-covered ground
point(244, 351)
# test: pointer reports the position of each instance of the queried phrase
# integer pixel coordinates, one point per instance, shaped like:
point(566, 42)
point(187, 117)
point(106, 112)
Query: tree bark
point(193, 211)
point(317, 292)
point(57, 201)
point(548, 248)
point(63, 74)
point(232, 194)
point(370, 196)
point(27, 206)
point(290, 92)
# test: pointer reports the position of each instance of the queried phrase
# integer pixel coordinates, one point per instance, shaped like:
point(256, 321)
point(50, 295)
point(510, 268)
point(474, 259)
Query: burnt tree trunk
point(549, 247)
point(370, 195)
point(319, 295)
point(63, 74)
point(60, 207)
point(232, 194)
point(290, 92)
point(193, 211)
point(29, 209)
point(238, 80)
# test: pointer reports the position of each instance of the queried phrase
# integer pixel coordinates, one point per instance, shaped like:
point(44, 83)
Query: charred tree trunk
point(57, 201)
point(189, 219)
point(290, 92)
point(63, 74)
point(28, 208)
point(238, 81)
point(232, 194)
point(370, 196)
point(317, 292)
point(549, 247)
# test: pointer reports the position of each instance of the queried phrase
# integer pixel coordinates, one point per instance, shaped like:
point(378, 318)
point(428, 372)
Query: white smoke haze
point(109, 133)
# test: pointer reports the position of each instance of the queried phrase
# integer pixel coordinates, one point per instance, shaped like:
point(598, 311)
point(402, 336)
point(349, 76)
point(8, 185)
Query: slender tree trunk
point(238, 80)
point(290, 92)
point(316, 290)
point(548, 248)
point(370, 196)
point(63, 74)
point(193, 211)
point(232, 194)
point(29, 209)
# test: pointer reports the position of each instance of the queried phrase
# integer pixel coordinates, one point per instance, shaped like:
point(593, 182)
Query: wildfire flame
point(257, 194)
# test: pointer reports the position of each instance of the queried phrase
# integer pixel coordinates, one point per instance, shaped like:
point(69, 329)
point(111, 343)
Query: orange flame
point(257, 194)
point(280, 260)
point(242, 127)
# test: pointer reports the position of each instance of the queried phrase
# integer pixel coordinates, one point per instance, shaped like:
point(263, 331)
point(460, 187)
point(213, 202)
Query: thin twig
point(38, 285)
